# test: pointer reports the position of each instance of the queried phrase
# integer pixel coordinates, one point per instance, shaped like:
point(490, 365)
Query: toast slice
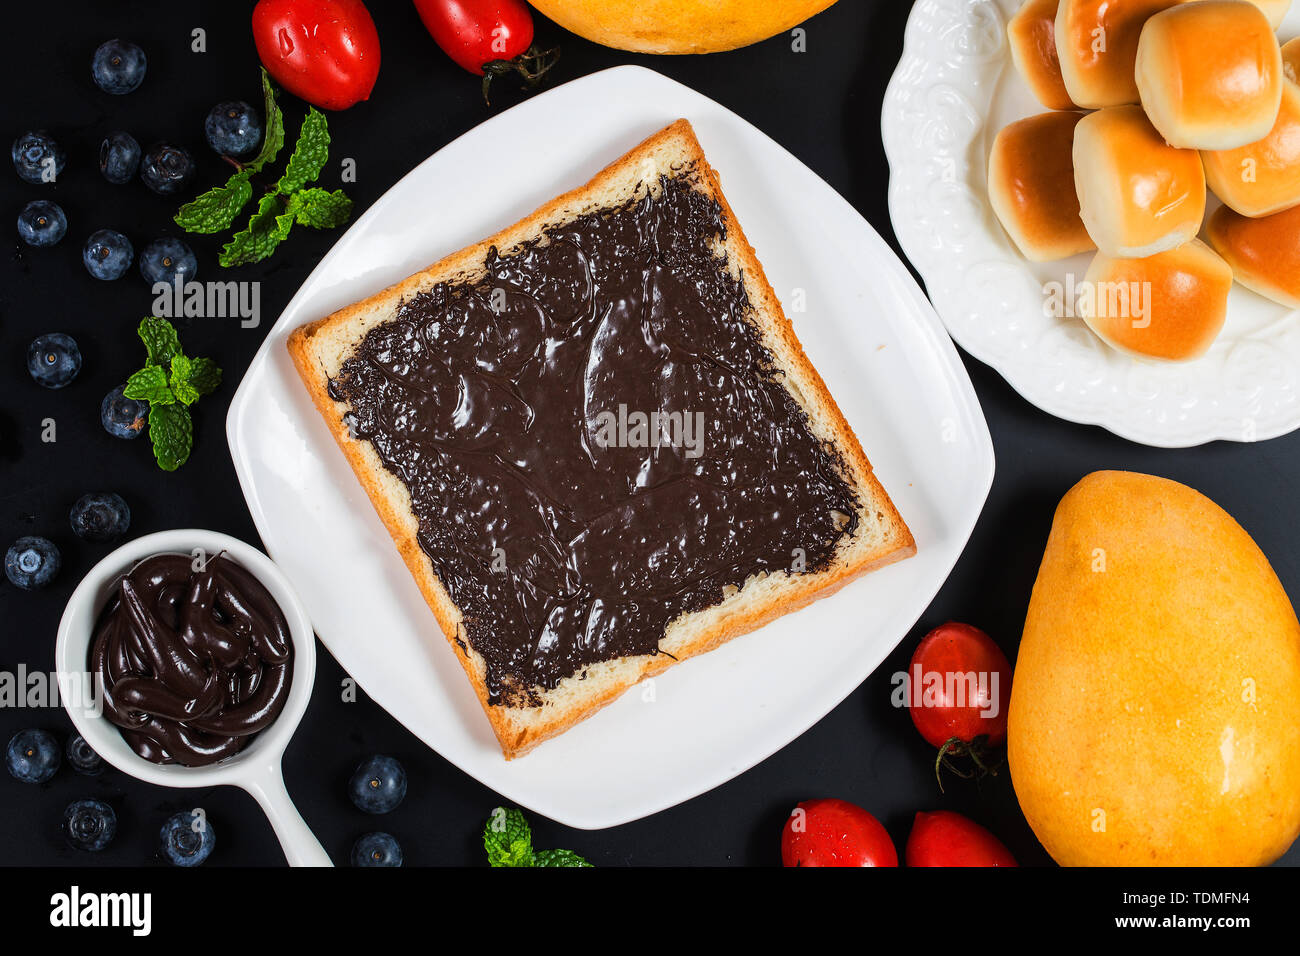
point(878, 534)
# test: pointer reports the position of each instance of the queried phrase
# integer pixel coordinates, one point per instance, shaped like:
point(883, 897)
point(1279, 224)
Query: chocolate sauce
point(510, 407)
point(193, 664)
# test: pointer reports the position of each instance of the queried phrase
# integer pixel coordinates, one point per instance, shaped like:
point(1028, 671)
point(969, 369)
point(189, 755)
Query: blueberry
point(32, 562)
point(33, 755)
point(123, 417)
point(119, 157)
point(233, 128)
point(378, 785)
point(187, 838)
point(53, 359)
point(168, 260)
point(89, 825)
point(82, 758)
point(118, 67)
point(42, 223)
point(107, 254)
point(100, 516)
point(166, 169)
point(37, 157)
point(376, 849)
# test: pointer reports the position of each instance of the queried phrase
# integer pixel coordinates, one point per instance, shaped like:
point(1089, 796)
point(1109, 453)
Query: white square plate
point(865, 325)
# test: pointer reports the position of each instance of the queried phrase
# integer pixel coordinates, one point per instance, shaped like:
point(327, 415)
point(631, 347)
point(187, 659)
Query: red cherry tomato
point(325, 51)
point(945, 838)
point(960, 683)
point(835, 833)
point(476, 32)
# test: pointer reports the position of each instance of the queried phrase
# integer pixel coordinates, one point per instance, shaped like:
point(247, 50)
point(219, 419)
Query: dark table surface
point(823, 105)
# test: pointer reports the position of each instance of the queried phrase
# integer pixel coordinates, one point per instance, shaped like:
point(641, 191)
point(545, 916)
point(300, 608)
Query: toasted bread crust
point(315, 349)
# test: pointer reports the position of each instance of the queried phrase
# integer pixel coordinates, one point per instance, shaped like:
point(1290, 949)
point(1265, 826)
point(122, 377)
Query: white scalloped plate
point(881, 349)
point(954, 88)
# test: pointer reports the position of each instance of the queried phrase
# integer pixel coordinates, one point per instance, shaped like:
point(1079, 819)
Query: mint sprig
point(217, 208)
point(509, 842)
point(170, 382)
point(287, 201)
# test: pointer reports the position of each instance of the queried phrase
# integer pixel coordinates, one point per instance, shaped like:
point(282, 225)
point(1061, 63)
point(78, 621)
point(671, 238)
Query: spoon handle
point(301, 848)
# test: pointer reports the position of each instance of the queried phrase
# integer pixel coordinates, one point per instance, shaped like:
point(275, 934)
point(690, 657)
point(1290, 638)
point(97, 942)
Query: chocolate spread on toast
point(595, 440)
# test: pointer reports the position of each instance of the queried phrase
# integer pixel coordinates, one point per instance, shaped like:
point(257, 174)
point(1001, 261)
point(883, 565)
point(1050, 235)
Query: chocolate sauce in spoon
point(192, 663)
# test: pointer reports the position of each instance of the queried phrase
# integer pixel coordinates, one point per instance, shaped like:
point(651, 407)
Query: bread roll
point(1032, 35)
point(1097, 42)
point(1210, 74)
point(1275, 10)
point(1168, 306)
point(1261, 178)
point(1031, 186)
point(1137, 194)
point(1291, 60)
point(1264, 253)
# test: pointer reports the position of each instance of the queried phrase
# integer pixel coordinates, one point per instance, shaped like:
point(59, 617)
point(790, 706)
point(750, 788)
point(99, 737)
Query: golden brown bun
point(1168, 306)
point(674, 26)
point(1031, 186)
point(1264, 253)
point(1264, 177)
point(1291, 60)
point(1032, 35)
point(1137, 194)
point(1210, 74)
point(1097, 42)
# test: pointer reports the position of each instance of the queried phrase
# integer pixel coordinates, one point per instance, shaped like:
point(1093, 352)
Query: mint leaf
point(179, 380)
point(160, 340)
point(172, 433)
point(320, 208)
point(205, 376)
point(216, 209)
point(309, 153)
point(273, 138)
point(507, 839)
point(169, 382)
point(558, 858)
point(267, 228)
point(149, 385)
point(287, 202)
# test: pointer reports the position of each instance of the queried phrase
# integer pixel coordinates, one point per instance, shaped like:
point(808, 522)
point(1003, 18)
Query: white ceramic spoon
point(257, 767)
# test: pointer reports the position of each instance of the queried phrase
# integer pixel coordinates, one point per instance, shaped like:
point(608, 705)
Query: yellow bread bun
point(1137, 194)
point(1169, 306)
point(1291, 60)
point(1156, 702)
point(1097, 43)
point(1264, 177)
point(1032, 35)
point(1210, 74)
point(1275, 10)
point(1031, 186)
point(678, 26)
point(1264, 253)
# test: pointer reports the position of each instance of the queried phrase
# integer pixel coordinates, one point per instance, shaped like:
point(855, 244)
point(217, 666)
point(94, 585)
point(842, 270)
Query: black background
point(823, 105)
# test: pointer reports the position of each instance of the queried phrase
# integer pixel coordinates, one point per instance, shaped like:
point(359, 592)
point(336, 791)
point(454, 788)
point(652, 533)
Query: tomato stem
point(987, 760)
point(531, 65)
